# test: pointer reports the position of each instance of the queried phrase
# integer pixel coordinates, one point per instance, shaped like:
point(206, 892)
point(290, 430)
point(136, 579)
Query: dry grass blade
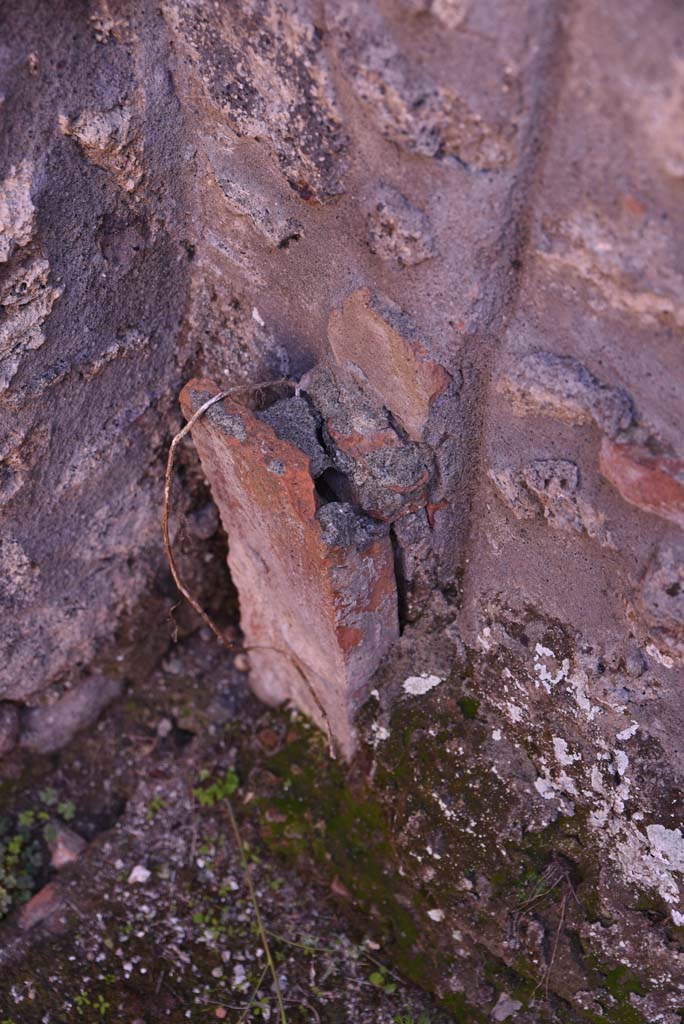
point(263, 935)
point(189, 597)
point(243, 1015)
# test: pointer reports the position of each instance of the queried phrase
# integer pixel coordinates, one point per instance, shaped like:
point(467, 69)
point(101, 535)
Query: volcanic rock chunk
point(660, 601)
point(294, 420)
point(561, 386)
point(550, 487)
point(398, 231)
point(378, 471)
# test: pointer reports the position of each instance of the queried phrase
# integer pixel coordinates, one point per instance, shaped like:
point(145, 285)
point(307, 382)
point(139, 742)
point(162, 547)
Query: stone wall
point(463, 221)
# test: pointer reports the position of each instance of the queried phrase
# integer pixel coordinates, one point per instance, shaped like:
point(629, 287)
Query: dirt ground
point(154, 920)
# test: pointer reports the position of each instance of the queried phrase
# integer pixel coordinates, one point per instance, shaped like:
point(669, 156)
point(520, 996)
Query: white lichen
point(547, 668)
point(419, 685)
point(561, 753)
point(627, 733)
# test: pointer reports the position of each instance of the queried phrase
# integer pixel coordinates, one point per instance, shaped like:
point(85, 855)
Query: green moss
point(469, 707)
point(366, 836)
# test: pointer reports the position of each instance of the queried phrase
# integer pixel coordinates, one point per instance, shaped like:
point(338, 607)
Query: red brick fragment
point(44, 905)
point(65, 847)
point(654, 483)
point(317, 588)
point(395, 365)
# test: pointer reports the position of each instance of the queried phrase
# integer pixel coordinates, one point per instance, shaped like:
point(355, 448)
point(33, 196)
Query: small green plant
point(66, 810)
point(83, 1002)
point(23, 852)
point(410, 1018)
point(380, 980)
point(213, 792)
point(21, 858)
point(48, 796)
point(155, 806)
point(101, 1005)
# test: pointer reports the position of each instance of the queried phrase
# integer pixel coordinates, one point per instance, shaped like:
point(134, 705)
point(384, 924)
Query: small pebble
point(139, 875)
point(241, 662)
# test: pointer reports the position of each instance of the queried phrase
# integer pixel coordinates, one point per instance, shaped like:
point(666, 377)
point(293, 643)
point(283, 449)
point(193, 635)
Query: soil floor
point(154, 920)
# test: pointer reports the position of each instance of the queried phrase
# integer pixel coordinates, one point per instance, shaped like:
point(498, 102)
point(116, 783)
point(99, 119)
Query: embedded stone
point(398, 231)
point(660, 601)
point(316, 583)
point(654, 483)
point(561, 386)
point(109, 139)
point(44, 905)
point(375, 340)
point(17, 212)
point(550, 487)
point(48, 728)
point(65, 846)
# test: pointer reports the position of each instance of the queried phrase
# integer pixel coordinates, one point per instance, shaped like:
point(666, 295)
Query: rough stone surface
point(9, 727)
point(562, 386)
point(294, 420)
point(47, 728)
point(317, 586)
point(398, 230)
point(385, 476)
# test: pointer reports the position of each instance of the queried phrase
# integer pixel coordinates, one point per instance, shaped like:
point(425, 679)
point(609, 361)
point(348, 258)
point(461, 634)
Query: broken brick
point(654, 483)
point(65, 846)
point(41, 907)
point(375, 338)
point(316, 584)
